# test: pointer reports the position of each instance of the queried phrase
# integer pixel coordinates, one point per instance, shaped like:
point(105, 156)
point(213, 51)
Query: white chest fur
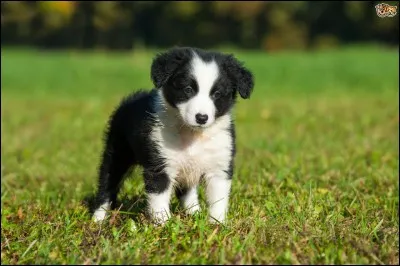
point(190, 154)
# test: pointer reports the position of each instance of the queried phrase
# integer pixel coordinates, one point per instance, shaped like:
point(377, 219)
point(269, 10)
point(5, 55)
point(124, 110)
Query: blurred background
point(268, 26)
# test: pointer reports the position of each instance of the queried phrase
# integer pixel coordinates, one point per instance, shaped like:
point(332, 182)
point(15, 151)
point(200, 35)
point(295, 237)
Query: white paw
point(160, 217)
point(193, 209)
point(100, 214)
point(158, 208)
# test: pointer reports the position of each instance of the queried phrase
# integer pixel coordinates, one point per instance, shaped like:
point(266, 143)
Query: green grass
point(316, 179)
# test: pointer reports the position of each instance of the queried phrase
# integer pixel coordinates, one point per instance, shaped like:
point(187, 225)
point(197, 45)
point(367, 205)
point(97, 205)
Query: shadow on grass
point(133, 207)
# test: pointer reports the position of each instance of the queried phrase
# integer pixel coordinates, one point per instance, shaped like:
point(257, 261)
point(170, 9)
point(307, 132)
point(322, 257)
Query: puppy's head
point(202, 86)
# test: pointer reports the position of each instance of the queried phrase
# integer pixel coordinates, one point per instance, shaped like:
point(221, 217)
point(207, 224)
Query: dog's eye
point(217, 95)
point(188, 90)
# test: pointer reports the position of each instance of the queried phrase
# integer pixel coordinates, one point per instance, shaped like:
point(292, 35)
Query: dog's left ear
point(165, 64)
point(242, 78)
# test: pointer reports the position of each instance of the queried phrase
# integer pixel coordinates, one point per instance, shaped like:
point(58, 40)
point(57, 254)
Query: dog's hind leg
point(115, 163)
point(188, 197)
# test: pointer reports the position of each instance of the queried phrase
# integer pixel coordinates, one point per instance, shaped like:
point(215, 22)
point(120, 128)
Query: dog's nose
point(201, 119)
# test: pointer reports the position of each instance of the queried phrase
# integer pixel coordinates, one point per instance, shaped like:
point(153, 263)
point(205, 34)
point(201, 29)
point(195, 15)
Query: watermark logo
point(385, 10)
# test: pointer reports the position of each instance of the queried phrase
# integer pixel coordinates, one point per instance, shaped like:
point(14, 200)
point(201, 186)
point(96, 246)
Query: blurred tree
point(51, 24)
point(113, 25)
point(16, 20)
point(268, 25)
point(286, 30)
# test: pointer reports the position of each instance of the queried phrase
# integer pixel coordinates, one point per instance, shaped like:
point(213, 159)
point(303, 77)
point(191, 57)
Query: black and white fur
point(181, 132)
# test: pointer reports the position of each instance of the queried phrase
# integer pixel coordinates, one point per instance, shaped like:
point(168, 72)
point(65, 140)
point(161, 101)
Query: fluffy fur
point(181, 132)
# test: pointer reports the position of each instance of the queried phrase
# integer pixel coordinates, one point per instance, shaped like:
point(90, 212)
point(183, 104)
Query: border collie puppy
point(181, 133)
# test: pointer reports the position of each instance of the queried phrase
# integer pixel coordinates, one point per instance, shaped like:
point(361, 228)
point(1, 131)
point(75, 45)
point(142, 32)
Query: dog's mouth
point(195, 128)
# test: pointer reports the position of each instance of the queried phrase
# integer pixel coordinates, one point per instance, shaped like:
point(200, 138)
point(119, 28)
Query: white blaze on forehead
point(205, 73)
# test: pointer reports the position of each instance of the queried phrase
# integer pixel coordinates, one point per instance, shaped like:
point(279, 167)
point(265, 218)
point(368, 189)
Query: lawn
point(316, 179)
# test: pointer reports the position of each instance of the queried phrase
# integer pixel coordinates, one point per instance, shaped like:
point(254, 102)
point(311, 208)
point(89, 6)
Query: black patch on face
point(166, 64)
point(180, 87)
point(222, 95)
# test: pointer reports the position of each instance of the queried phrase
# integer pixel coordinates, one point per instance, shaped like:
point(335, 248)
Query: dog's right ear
point(165, 64)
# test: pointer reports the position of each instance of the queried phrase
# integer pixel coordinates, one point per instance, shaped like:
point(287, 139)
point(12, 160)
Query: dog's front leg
point(158, 188)
point(218, 186)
